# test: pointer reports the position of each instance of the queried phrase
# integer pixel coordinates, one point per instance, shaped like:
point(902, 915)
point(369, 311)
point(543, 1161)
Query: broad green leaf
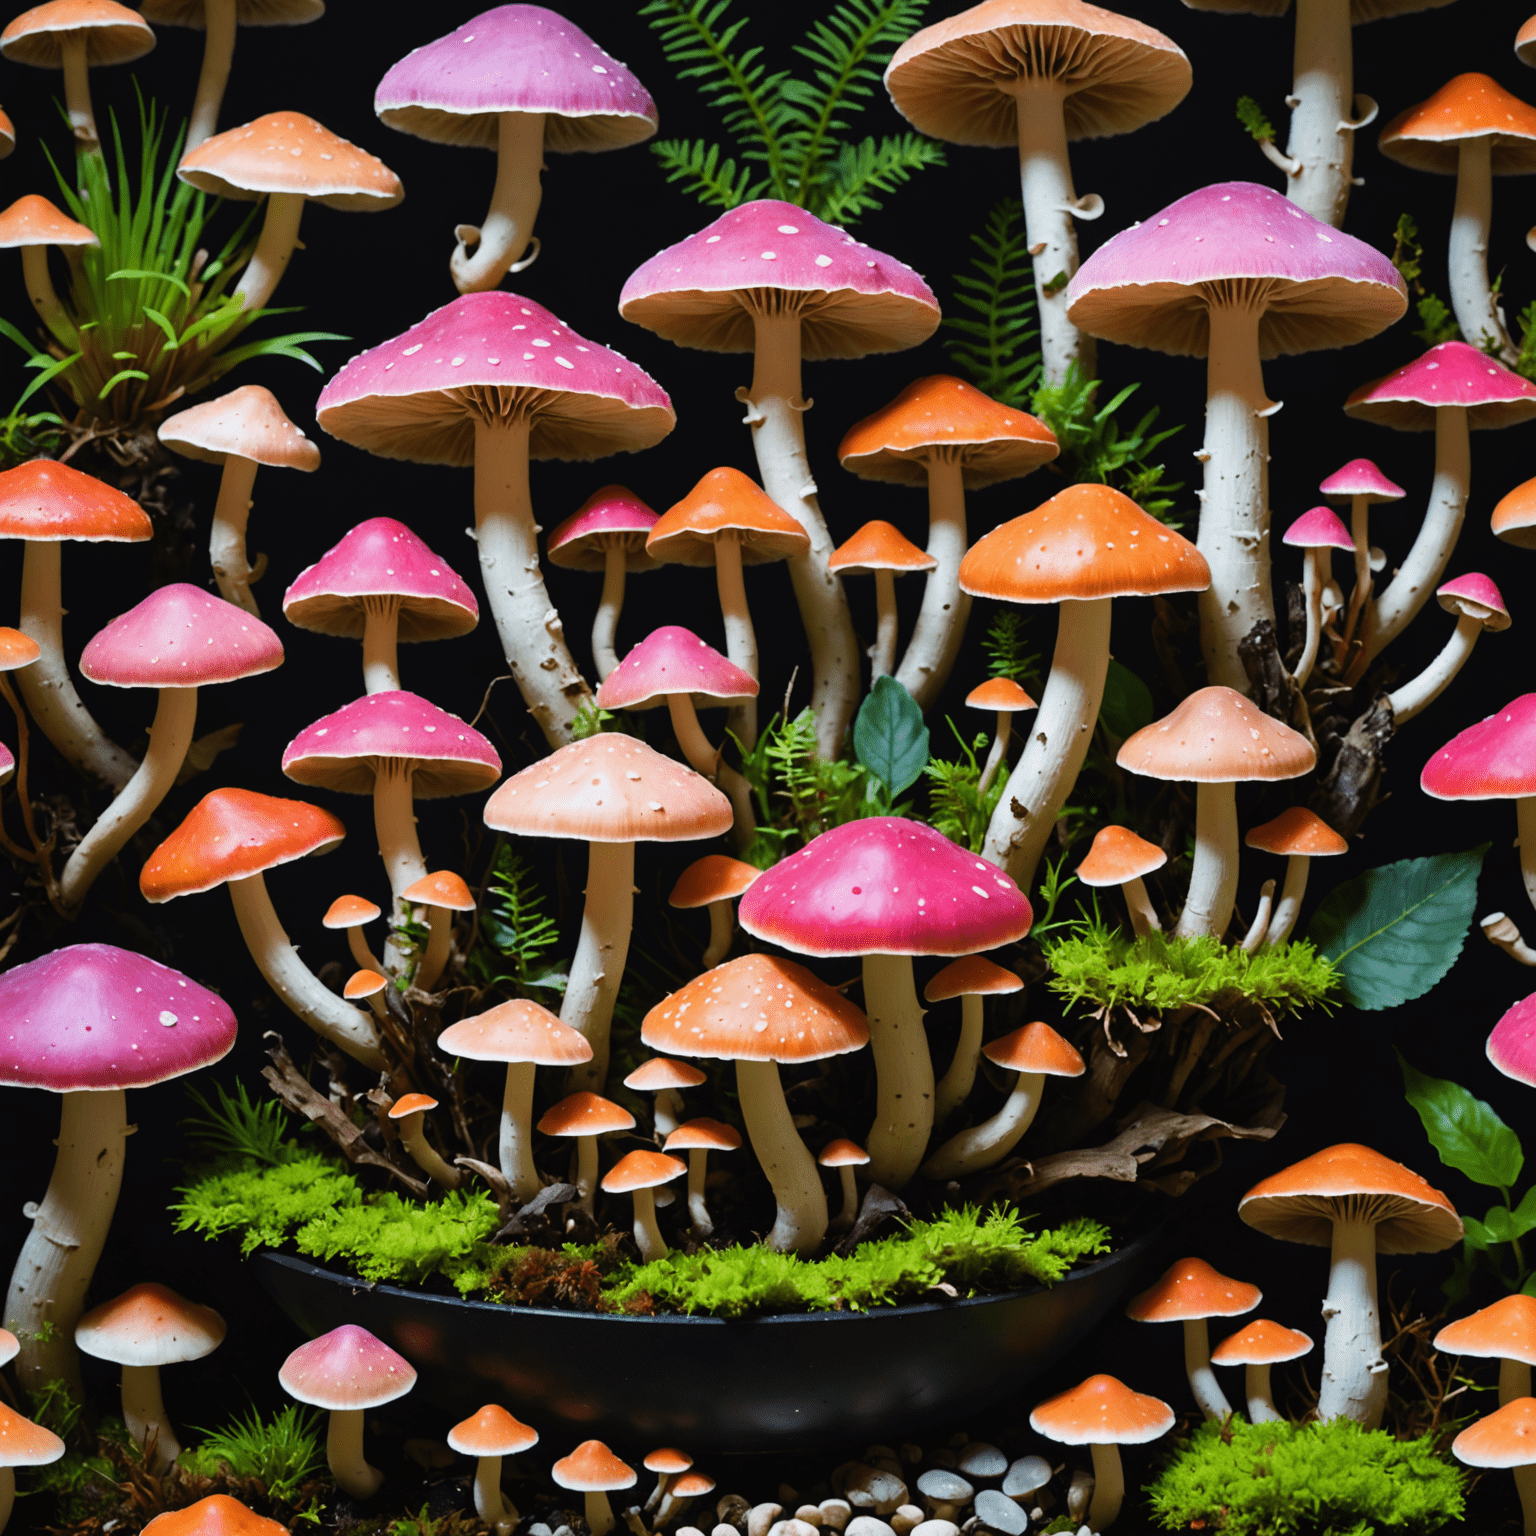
point(1477, 1239)
point(889, 737)
point(1465, 1131)
point(1127, 703)
point(1395, 931)
point(1504, 1225)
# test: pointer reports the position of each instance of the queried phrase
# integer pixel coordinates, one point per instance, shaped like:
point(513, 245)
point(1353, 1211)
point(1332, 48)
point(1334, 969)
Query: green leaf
point(1504, 1225)
point(1395, 931)
point(1127, 703)
point(1466, 1133)
point(889, 736)
point(1476, 1238)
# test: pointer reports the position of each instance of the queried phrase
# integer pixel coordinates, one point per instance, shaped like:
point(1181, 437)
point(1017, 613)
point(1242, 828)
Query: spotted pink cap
point(181, 637)
point(1512, 1045)
point(611, 515)
point(1492, 760)
point(341, 751)
point(864, 301)
point(346, 1368)
point(674, 660)
point(381, 558)
point(1318, 529)
point(7, 763)
point(416, 397)
point(1450, 374)
point(1360, 477)
point(885, 886)
point(1474, 596)
point(91, 1016)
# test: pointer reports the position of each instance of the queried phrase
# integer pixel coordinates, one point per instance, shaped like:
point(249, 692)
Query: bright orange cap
point(1514, 518)
point(149, 1325)
point(726, 501)
point(247, 423)
point(33, 220)
point(113, 34)
point(1429, 136)
point(1118, 855)
point(641, 1170)
point(517, 1031)
point(667, 1461)
point(1102, 1411)
point(45, 500)
point(1504, 1439)
point(585, 1114)
point(217, 1515)
point(592, 1468)
point(7, 135)
point(879, 546)
point(1262, 1343)
point(1035, 1048)
point(971, 976)
point(715, 877)
point(1297, 831)
point(25, 1444)
point(1504, 1331)
point(1001, 695)
point(1216, 736)
point(842, 1153)
point(363, 984)
point(1190, 1290)
point(492, 1432)
point(17, 650)
point(702, 1135)
point(659, 1074)
point(350, 912)
point(411, 1104)
point(693, 1484)
point(1525, 42)
point(442, 888)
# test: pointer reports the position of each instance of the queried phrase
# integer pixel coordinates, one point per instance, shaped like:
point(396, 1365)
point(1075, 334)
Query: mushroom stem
point(394, 825)
point(601, 951)
point(778, 438)
point(1260, 924)
point(144, 1415)
point(705, 759)
point(514, 1141)
point(490, 1503)
point(1261, 1402)
point(599, 1513)
point(999, 753)
point(1525, 828)
point(1288, 908)
point(1514, 1381)
point(46, 685)
point(648, 1238)
point(439, 941)
point(56, 1262)
point(1472, 300)
point(365, 957)
point(218, 56)
point(930, 654)
point(504, 234)
point(586, 1172)
point(381, 637)
point(849, 1213)
point(532, 636)
point(1025, 818)
point(1354, 1382)
point(1499, 929)
point(274, 247)
point(40, 289)
point(1197, 1366)
point(801, 1221)
point(740, 638)
point(302, 993)
point(77, 92)
point(698, 1206)
point(1312, 589)
point(664, 1113)
point(7, 1495)
point(1213, 876)
point(722, 928)
point(982, 1146)
point(344, 1454)
point(605, 626)
point(1525, 1486)
point(1108, 1487)
point(1139, 906)
point(1423, 690)
point(954, 1087)
point(882, 655)
point(1359, 594)
point(903, 1071)
point(232, 570)
point(1322, 142)
point(413, 1137)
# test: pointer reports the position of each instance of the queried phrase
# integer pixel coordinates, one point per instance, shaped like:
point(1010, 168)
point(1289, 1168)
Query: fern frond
point(864, 174)
point(715, 182)
point(991, 338)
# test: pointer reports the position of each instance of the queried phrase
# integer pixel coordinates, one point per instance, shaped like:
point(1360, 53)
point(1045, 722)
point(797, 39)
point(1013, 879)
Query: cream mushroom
point(844, 1155)
point(1301, 835)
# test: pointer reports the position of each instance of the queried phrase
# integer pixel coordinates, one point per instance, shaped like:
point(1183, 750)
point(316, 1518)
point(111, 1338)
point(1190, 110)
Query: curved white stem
point(1213, 876)
point(394, 825)
point(722, 927)
point(1424, 689)
point(999, 753)
point(381, 644)
point(599, 1514)
point(1261, 1402)
point(490, 1503)
point(605, 626)
point(218, 56)
point(1525, 824)
point(232, 570)
point(1354, 1384)
point(274, 248)
point(598, 965)
point(648, 1238)
point(1260, 924)
point(705, 759)
point(514, 1142)
point(849, 1213)
point(1138, 905)
point(1288, 908)
point(344, 1454)
point(698, 1206)
point(1359, 594)
point(954, 1087)
point(1278, 158)
point(1312, 589)
point(903, 1071)
point(586, 1172)
point(439, 943)
point(45, 300)
point(931, 652)
point(77, 92)
point(1472, 301)
point(1322, 140)
point(1501, 930)
point(1197, 1367)
point(413, 1137)
point(1108, 1487)
point(357, 945)
point(666, 1109)
point(504, 234)
point(882, 655)
point(983, 1146)
point(144, 1415)
point(740, 638)
point(786, 1161)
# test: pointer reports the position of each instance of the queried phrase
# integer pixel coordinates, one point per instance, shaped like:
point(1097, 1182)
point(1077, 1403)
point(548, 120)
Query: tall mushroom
point(1118, 856)
point(494, 380)
point(1259, 1347)
point(584, 1117)
point(698, 1138)
point(1301, 836)
point(491, 1434)
point(714, 881)
point(1004, 698)
point(881, 550)
point(30, 225)
point(1360, 484)
point(1505, 1332)
point(1315, 533)
point(1478, 606)
point(639, 1174)
point(973, 979)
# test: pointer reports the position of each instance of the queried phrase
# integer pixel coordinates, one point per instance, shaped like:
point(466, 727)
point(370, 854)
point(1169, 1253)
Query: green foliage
point(1127, 703)
point(890, 739)
point(28, 435)
point(1393, 932)
point(516, 932)
point(1436, 323)
point(788, 131)
point(1281, 1479)
point(234, 1125)
point(957, 805)
point(1008, 652)
point(81, 1472)
point(1525, 363)
point(265, 1205)
point(390, 1239)
point(1251, 115)
point(798, 793)
point(992, 331)
point(282, 1453)
point(591, 720)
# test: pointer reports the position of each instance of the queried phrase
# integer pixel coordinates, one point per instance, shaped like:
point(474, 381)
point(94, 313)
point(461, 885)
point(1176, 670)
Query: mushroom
point(1217, 739)
point(1103, 1414)
point(7, 145)
point(880, 550)
point(1360, 1204)
point(367, 986)
point(759, 1011)
point(1260, 1346)
point(1514, 517)
point(1026, 1477)
point(22, 1444)
point(845, 1156)
point(638, 1174)
point(1504, 1439)
point(231, 837)
point(380, 584)
point(1505, 1332)
point(524, 1036)
point(1504, 933)
point(1525, 42)
point(1191, 1292)
point(495, 380)
point(145, 1328)
point(683, 1490)
point(698, 1138)
point(1316, 532)
point(1081, 549)
point(1301, 835)
point(30, 225)
point(347, 1371)
point(353, 913)
point(88, 1022)
point(972, 979)
point(409, 1114)
point(611, 791)
point(664, 1078)
point(217, 1515)
point(769, 278)
point(585, 1116)
point(1031, 76)
point(240, 431)
point(666, 1463)
point(1363, 486)
point(1478, 605)
point(1118, 856)
point(714, 881)
point(442, 893)
point(594, 1470)
point(943, 433)
point(1034, 1052)
point(605, 533)
point(946, 1493)
point(491, 1434)
point(1005, 699)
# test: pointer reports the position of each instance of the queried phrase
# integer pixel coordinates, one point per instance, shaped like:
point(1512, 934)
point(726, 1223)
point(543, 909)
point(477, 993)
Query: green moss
point(266, 1205)
point(388, 1238)
point(1333, 1479)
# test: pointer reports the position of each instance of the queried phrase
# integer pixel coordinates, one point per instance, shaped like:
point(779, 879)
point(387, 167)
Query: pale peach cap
point(971, 976)
point(350, 912)
point(879, 546)
point(247, 423)
point(1504, 1439)
point(1117, 855)
point(1504, 1331)
point(113, 33)
point(715, 877)
point(642, 1170)
point(516, 1031)
point(149, 1324)
point(1262, 1343)
point(703, 1135)
point(585, 1114)
point(1191, 1289)
point(441, 888)
point(33, 220)
point(661, 1073)
point(1216, 736)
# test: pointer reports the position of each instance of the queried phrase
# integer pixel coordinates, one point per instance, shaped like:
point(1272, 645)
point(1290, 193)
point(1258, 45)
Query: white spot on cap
point(789, 229)
point(412, 351)
point(168, 1018)
point(823, 261)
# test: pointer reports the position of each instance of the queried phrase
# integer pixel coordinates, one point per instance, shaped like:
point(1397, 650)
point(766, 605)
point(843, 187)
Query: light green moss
point(266, 1205)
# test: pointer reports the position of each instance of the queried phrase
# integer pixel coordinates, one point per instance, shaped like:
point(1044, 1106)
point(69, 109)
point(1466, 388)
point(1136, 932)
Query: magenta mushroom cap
point(180, 637)
point(612, 514)
point(1512, 1045)
point(1492, 760)
point(884, 886)
point(1449, 374)
point(7, 763)
point(674, 660)
point(381, 558)
point(412, 398)
point(1360, 477)
point(516, 58)
point(340, 751)
point(346, 1368)
point(1478, 590)
point(1318, 529)
point(92, 1016)
point(855, 299)
point(1144, 287)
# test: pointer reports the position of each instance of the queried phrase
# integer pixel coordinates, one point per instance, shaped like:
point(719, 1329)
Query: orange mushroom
point(442, 893)
point(1119, 857)
point(881, 550)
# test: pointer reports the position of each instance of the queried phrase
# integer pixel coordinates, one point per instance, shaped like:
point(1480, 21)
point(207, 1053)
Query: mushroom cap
point(113, 33)
point(879, 546)
point(516, 58)
point(346, 1368)
point(180, 637)
point(715, 877)
point(1429, 136)
point(1320, 528)
point(1297, 830)
point(7, 134)
point(674, 660)
point(939, 1483)
point(415, 397)
point(149, 1324)
point(956, 79)
point(642, 1169)
point(1514, 518)
point(350, 911)
point(611, 515)
point(1102, 1411)
point(725, 501)
point(492, 1432)
point(1117, 854)
point(887, 886)
point(1525, 42)
point(1262, 1343)
point(217, 1515)
point(703, 1135)
point(842, 1153)
point(1451, 373)
point(363, 984)
point(10, 1346)
point(971, 976)
point(7, 763)
point(1504, 1331)
point(1035, 1048)
point(1512, 1044)
point(1301, 1203)
point(516, 1031)
point(33, 220)
point(1492, 760)
point(1088, 541)
point(1146, 286)
point(1360, 477)
point(247, 423)
point(851, 299)
point(756, 1008)
point(1189, 1290)
point(441, 888)
point(381, 558)
point(94, 1017)
point(1216, 736)
point(231, 834)
point(340, 750)
point(943, 419)
point(667, 1461)
point(17, 649)
point(248, 13)
point(609, 789)
point(1506, 1438)
point(692, 1484)
point(661, 1073)
point(592, 1468)
point(1001, 695)
point(1474, 596)
point(411, 1104)
point(45, 500)
point(288, 152)
point(585, 1114)
point(25, 1444)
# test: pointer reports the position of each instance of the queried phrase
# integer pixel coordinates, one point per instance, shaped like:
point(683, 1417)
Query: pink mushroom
point(1363, 486)
point(1478, 605)
point(1316, 532)
point(1512, 1045)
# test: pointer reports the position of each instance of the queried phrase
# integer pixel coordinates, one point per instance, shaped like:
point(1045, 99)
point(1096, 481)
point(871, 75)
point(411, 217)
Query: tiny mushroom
point(442, 893)
point(1525, 42)
point(353, 914)
point(30, 225)
point(1478, 605)
point(409, 1114)
point(22, 1444)
point(7, 135)
point(1315, 532)
point(367, 986)
point(639, 1174)
point(971, 978)
point(1260, 1346)
point(594, 1470)
point(1118, 856)
point(1301, 835)
point(667, 1463)
point(1005, 699)
point(1362, 485)
point(714, 881)
point(845, 1156)
point(1506, 1438)
point(488, 1436)
point(979, 1460)
point(664, 1078)
point(698, 1138)
point(585, 1116)
point(1514, 516)
point(1505, 1332)
point(682, 1491)
point(217, 1515)
point(881, 550)
point(1026, 1477)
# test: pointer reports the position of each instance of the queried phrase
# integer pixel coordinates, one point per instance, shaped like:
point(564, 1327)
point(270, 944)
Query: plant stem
point(218, 55)
point(936, 638)
point(274, 248)
point(1359, 595)
point(903, 1071)
point(504, 234)
point(598, 965)
point(226, 538)
point(801, 1222)
point(1261, 1402)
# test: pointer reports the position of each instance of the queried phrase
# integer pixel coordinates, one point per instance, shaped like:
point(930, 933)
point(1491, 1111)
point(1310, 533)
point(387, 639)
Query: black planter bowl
point(768, 1384)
